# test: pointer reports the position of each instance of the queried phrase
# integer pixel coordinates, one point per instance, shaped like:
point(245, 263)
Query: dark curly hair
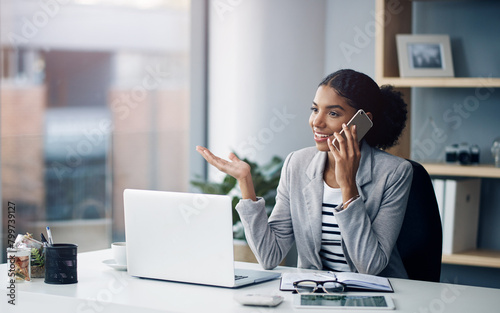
point(386, 105)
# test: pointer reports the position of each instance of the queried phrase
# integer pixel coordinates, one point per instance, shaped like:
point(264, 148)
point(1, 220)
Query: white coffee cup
point(119, 252)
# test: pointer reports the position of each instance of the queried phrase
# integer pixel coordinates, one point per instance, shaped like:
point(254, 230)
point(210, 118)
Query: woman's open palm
point(235, 167)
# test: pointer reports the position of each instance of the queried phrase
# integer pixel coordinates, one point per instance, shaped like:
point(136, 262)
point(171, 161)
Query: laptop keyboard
point(238, 277)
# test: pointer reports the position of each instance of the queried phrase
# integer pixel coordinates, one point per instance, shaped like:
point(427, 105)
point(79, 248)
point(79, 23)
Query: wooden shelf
point(387, 73)
point(481, 171)
point(441, 82)
point(386, 56)
point(486, 258)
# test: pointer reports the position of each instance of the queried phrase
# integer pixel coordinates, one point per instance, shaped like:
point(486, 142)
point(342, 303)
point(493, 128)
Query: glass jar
point(37, 254)
point(19, 264)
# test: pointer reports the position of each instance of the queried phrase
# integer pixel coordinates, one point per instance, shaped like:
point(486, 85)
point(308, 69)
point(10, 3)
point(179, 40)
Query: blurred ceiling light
point(139, 4)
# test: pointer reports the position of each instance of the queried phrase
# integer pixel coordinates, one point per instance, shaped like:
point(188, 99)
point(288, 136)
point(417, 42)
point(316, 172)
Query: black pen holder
point(60, 264)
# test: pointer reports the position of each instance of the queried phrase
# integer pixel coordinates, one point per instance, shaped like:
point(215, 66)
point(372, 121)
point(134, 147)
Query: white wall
point(265, 61)
point(350, 36)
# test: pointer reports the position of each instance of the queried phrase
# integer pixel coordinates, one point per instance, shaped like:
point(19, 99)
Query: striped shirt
point(331, 253)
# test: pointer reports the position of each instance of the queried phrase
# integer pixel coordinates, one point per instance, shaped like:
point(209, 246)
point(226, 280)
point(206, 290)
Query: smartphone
point(348, 302)
point(363, 124)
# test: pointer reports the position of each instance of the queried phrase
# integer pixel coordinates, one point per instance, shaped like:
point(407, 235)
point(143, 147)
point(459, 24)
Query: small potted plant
point(37, 255)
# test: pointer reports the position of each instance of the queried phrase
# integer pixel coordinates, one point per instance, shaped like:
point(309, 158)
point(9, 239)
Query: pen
point(49, 233)
point(332, 273)
point(44, 240)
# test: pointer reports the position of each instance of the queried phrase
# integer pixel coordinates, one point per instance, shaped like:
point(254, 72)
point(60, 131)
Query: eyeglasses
point(311, 286)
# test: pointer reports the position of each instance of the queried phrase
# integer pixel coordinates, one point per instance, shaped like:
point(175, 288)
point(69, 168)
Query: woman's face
point(329, 111)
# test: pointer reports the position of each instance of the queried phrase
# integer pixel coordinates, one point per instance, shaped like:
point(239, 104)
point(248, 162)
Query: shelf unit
point(460, 82)
point(479, 171)
point(396, 18)
point(479, 257)
point(484, 258)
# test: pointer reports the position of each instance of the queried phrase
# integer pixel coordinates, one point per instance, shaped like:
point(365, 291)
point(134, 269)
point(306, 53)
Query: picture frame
point(424, 55)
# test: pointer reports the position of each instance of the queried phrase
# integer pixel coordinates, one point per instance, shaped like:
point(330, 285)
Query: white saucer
point(112, 263)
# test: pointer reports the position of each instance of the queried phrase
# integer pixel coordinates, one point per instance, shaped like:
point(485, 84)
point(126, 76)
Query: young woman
point(342, 207)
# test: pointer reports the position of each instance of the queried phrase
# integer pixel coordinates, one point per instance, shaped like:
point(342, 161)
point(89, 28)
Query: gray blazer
point(369, 226)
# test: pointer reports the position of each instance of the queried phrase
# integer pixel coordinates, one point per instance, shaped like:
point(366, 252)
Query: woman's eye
point(314, 109)
point(334, 114)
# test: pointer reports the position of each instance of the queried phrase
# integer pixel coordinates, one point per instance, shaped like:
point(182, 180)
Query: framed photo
point(424, 56)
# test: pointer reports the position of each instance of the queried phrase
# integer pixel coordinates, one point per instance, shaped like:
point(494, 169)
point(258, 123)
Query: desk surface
point(102, 289)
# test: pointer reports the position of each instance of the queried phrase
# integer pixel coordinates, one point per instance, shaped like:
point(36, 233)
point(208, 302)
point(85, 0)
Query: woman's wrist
point(348, 192)
point(344, 205)
point(247, 188)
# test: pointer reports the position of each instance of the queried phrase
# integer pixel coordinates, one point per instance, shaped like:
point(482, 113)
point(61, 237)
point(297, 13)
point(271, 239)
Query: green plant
point(37, 257)
point(265, 179)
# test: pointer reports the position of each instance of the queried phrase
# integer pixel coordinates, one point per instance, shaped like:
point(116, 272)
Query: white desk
point(102, 289)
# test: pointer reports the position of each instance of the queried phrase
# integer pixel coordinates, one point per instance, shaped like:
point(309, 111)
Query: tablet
point(343, 302)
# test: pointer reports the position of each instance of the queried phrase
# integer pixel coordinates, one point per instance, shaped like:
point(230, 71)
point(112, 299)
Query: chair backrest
point(420, 240)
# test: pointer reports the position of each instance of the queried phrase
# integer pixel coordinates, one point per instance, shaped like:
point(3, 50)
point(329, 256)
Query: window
point(94, 99)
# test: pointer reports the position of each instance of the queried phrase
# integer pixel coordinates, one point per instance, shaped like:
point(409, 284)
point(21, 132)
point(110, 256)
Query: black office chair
point(420, 240)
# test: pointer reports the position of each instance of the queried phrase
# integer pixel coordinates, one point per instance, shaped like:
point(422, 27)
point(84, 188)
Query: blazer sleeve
point(369, 242)
point(270, 239)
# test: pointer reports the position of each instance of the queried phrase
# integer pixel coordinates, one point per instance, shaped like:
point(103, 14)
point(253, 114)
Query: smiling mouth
point(322, 136)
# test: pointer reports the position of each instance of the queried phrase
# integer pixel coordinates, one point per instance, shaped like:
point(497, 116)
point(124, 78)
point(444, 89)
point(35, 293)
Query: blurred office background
point(94, 99)
point(101, 95)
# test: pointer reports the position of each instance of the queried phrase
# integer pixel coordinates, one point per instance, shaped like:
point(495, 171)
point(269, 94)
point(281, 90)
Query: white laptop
point(183, 237)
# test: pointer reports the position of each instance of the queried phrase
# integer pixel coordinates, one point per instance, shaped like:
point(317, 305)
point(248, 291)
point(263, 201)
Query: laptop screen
point(178, 236)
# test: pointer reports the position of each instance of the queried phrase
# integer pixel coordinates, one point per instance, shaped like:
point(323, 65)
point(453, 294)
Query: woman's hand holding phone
point(346, 152)
point(347, 158)
point(363, 124)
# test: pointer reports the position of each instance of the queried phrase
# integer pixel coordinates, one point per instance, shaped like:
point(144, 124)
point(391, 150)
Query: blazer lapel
point(313, 195)
point(364, 174)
